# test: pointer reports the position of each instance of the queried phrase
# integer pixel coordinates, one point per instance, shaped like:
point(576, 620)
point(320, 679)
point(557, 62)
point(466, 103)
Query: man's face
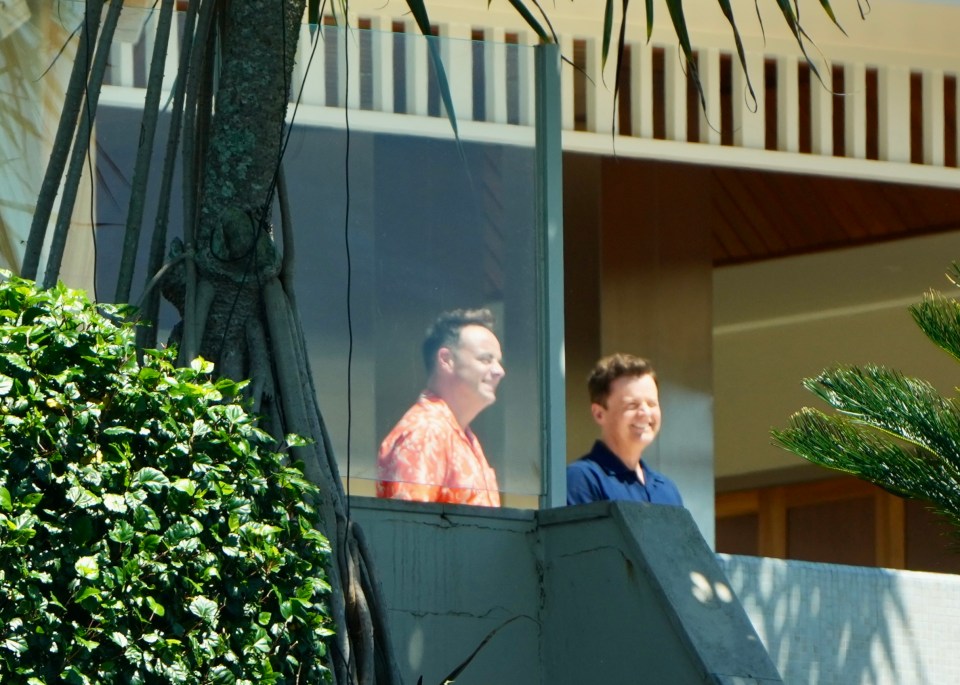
point(475, 364)
point(631, 418)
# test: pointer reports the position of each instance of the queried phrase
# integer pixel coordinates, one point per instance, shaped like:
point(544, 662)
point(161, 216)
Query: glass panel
point(395, 221)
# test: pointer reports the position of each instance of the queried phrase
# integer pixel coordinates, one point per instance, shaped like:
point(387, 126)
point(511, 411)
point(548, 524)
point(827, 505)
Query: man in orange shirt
point(431, 455)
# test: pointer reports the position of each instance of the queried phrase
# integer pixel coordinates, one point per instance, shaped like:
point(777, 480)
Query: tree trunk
point(227, 277)
point(236, 309)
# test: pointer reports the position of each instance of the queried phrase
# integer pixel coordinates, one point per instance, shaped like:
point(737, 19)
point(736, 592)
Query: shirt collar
point(440, 406)
point(611, 463)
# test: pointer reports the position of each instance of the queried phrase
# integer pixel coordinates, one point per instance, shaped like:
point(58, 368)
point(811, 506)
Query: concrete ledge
point(603, 593)
point(637, 589)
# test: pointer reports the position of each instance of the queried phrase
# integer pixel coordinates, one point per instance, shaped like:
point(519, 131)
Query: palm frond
point(894, 431)
point(908, 408)
point(938, 317)
point(842, 444)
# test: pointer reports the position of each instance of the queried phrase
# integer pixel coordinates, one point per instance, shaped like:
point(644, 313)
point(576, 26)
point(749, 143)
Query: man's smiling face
point(631, 417)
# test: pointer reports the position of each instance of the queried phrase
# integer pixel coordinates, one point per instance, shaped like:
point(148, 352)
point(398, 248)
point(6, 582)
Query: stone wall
point(828, 624)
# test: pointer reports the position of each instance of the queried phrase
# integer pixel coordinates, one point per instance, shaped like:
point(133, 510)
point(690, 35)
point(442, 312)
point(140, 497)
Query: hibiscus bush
point(149, 531)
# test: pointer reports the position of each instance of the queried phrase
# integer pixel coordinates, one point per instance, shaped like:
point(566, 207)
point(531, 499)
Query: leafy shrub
point(147, 531)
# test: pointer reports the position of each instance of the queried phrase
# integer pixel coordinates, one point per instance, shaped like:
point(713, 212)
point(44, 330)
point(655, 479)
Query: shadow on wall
point(826, 623)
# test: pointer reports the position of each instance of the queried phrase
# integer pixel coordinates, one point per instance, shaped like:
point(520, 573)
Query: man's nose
point(498, 370)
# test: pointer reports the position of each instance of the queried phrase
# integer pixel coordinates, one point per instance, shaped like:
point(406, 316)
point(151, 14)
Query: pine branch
point(907, 408)
point(938, 317)
point(843, 444)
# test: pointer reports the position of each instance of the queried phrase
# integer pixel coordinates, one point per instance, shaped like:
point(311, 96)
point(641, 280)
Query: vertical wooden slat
point(933, 117)
point(890, 531)
point(821, 113)
point(749, 113)
point(675, 94)
point(566, 84)
point(382, 69)
point(416, 70)
point(122, 66)
point(526, 78)
point(599, 89)
point(855, 110)
point(773, 523)
point(348, 64)
point(788, 104)
point(709, 68)
point(495, 72)
point(455, 51)
point(893, 113)
point(641, 89)
point(310, 74)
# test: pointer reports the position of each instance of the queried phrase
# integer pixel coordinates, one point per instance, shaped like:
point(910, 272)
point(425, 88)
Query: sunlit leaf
point(87, 567)
point(205, 609)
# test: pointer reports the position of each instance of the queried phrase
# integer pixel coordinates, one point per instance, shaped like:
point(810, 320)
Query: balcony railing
point(875, 100)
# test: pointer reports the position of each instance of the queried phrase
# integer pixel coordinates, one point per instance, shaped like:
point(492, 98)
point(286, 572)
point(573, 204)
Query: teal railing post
point(550, 267)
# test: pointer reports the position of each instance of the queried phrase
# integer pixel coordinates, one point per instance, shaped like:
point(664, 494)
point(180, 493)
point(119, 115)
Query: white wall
point(777, 322)
point(844, 625)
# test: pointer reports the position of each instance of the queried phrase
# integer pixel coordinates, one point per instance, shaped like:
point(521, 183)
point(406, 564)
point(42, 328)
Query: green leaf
point(82, 497)
point(185, 485)
point(294, 440)
point(201, 365)
point(204, 608)
point(530, 20)
point(150, 544)
point(145, 517)
point(178, 532)
point(5, 503)
point(16, 644)
point(114, 431)
point(122, 532)
point(114, 503)
point(87, 593)
point(87, 567)
point(151, 479)
point(675, 8)
point(17, 360)
point(607, 30)
point(155, 606)
point(6, 385)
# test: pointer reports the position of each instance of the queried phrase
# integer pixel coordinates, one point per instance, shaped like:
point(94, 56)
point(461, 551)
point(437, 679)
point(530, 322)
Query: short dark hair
point(445, 331)
point(615, 366)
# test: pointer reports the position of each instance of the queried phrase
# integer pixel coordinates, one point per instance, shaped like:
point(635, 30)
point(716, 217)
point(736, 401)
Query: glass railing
point(395, 218)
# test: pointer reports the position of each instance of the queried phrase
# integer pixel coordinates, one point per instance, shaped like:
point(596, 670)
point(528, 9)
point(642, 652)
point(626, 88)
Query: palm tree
point(228, 277)
point(891, 430)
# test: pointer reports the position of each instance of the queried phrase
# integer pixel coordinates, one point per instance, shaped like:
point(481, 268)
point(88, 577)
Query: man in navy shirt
point(625, 403)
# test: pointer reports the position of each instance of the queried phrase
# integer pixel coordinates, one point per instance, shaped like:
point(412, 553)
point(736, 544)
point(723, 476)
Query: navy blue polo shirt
point(601, 475)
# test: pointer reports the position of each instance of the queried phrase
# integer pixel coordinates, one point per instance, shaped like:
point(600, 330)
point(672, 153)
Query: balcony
point(886, 92)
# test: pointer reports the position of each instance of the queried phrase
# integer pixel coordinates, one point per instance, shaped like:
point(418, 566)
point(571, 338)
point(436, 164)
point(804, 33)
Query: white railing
point(893, 100)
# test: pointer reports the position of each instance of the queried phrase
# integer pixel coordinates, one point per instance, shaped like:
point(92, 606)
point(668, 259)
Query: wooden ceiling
point(763, 215)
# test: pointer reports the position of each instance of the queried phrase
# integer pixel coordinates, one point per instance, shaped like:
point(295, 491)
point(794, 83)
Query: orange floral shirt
point(428, 457)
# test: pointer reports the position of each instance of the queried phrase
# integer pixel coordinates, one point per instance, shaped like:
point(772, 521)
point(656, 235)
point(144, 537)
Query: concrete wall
point(605, 593)
point(845, 625)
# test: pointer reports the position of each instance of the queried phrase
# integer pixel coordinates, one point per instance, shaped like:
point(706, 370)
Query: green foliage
point(895, 431)
point(148, 533)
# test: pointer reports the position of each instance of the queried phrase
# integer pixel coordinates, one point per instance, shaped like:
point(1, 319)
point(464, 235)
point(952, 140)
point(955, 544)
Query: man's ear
point(445, 359)
point(598, 411)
